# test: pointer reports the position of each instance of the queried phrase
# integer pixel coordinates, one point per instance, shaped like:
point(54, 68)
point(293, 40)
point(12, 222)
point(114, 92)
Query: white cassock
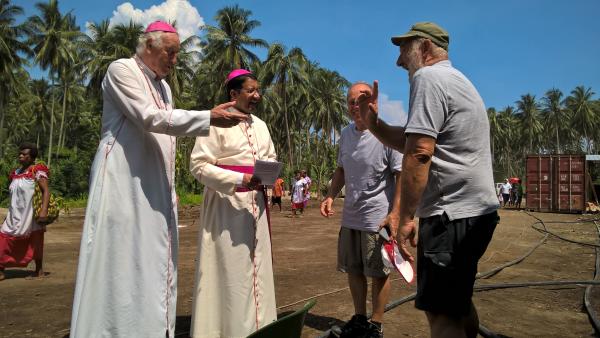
point(127, 273)
point(234, 292)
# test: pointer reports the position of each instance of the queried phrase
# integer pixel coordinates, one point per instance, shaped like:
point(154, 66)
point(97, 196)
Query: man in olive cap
point(446, 178)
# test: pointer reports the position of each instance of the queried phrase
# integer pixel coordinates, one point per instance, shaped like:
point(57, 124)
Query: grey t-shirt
point(445, 105)
point(369, 177)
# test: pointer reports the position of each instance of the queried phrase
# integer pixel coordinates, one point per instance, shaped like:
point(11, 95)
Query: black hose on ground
point(484, 331)
point(494, 271)
point(587, 296)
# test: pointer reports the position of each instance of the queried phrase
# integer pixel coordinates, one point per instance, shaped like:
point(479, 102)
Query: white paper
point(267, 171)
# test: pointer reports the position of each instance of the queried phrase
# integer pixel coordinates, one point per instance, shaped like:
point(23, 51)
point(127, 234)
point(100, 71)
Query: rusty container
point(556, 183)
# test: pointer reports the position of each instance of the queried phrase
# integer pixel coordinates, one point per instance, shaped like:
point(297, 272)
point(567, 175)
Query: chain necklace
point(160, 101)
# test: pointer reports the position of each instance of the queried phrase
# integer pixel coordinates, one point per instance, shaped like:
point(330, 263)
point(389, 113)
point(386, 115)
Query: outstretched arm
point(391, 136)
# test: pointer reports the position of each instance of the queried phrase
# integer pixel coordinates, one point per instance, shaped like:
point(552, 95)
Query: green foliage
point(76, 202)
point(304, 104)
point(551, 126)
point(70, 174)
point(190, 199)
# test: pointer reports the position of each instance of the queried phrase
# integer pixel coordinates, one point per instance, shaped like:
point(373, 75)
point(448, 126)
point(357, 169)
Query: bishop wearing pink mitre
point(234, 293)
point(127, 272)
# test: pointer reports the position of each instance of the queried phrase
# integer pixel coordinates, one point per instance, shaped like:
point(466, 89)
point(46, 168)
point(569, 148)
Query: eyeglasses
point(252, 91)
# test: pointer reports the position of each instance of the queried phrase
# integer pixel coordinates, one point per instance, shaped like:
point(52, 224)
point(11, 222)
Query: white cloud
point(188, 20)
point(392, 111)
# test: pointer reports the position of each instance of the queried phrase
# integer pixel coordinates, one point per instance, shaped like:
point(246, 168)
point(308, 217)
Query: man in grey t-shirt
point(369, 171)
point(446, 179)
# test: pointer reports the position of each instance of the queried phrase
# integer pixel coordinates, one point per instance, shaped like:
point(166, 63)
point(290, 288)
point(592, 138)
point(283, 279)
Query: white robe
point(234, 292)
point(127, 273)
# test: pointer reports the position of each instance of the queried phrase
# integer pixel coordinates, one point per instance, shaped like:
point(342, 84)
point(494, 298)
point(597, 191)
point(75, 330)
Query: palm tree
point(40, 90)
point(54, 37)
point(183, 73)
point(18, 110)
point(584, 118)
point(528, 111)
point(507, 141)
point(554, 115)
point(70, 83)
point(494, 130)
point(97, 51)
point(105, 45)
point(327, 106)
point(285, 71)
point(10, 60)
point(227, 43)
point(225, 47)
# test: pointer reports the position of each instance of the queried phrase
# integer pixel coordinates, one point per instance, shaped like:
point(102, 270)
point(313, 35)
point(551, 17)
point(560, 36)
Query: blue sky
point(507, 48)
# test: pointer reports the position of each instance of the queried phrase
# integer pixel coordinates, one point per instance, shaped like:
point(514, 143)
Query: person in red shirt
point(278, 191)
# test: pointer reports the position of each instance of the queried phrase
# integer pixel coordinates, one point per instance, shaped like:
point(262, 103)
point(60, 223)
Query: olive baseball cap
point(428, 30)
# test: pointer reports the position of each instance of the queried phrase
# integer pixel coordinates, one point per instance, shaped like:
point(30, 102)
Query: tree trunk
point(317, 148)
point(530, 144)
point(588, 141)
point(2, 115)
point(557, 142)
point(287, 127)
point(51, 128)
point(308, 143)
point(62, 120)
point(492, 148)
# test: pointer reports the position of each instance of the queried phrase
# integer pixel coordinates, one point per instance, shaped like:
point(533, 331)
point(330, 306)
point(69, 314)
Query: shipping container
point(556, 183)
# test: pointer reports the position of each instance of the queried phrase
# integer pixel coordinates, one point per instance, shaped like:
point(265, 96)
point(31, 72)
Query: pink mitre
point(235, 73)
point(160, 26)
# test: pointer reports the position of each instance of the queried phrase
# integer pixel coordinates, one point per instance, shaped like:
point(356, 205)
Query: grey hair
point(356, 84)
point(156, 38)
point(436, 51)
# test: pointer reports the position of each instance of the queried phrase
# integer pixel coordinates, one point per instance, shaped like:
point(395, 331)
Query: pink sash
point(248, 169)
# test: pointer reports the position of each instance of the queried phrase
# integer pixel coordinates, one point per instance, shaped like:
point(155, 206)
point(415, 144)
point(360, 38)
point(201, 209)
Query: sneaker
point(373, 331)
point(355, 327)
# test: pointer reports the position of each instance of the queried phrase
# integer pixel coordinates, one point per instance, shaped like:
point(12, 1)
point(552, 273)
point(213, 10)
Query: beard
point(414, 60)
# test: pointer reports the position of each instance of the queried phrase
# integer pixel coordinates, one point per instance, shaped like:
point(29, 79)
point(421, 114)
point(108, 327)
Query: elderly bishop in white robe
point(127, 273)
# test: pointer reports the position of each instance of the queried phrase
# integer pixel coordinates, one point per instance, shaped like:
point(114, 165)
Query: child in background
point(298, 194)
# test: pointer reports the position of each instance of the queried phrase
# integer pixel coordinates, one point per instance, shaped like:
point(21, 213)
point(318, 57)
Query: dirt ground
point(305, 256)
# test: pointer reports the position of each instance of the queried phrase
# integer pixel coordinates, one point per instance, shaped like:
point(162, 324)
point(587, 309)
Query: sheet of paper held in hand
point(267, 172)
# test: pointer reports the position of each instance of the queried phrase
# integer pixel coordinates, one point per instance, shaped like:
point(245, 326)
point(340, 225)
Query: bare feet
point(2, 277)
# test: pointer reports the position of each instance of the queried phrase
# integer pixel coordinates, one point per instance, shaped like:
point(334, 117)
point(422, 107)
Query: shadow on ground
point(17, 273)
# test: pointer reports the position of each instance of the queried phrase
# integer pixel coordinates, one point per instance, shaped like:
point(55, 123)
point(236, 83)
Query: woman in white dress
point(22, 236)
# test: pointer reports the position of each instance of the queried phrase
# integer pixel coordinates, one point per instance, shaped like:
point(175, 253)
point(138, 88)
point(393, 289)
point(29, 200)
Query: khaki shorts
point(359, 253)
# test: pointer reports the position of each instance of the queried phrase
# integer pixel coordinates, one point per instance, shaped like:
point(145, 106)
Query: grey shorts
point(359, 253)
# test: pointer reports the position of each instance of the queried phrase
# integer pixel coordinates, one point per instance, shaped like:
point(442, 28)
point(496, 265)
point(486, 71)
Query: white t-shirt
point(369, 177)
